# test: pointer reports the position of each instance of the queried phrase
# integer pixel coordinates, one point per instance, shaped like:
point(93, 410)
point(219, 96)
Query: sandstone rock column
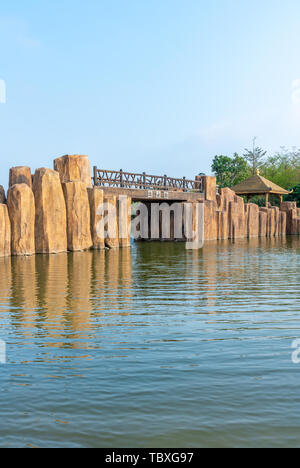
point(283, 223)
point(237, 219)
point(252, 212)
point(5, 232)
point(20, 175)
point(111, 222)
point(78, 216)
point(223, 229)
point(2, 195)
point(124, 221)
point(263, 221)
point(95, 195)
point(277, 230)
point(290, 208)
point(210, 220)
point(209, 187)
point(74, 167)
point(21, 209)
point(50, 212)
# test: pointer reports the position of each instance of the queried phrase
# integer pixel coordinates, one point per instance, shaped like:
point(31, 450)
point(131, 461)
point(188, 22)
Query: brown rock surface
point(2, 195)
point(74, 167)
point(5, 232)
point(78, 216)
point(210, 187)
point(292, 217)
point(252, 215)
point(277, 229)
point(210, 220)
point(21, 209)
point(224, 198)
point(111, 222)
point(223, 228)
point(237, 219)
point(124, 221)
point(97, 225)
point(50, 212)
point(20, 175)
point(283, 223)
point(263, 222)
point(287, 206)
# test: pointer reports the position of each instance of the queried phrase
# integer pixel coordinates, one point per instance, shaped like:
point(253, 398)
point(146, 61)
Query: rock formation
point(74, 167)
point(5, 232)
point(50, 212)
point(21, 209)
point(2, 195)
point(124, 220)
point(97, 224)
point(20, 175)
point(252, 220)
point(111, 222)
point(292, 217)
point(263, 222)
point(78, 216)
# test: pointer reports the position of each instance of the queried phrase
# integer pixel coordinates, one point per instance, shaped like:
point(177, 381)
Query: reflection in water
point(152, 346)
point(62, 295)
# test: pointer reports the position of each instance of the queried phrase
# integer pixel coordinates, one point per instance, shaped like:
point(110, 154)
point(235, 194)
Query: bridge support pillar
point(111, 221)
point(124, 220)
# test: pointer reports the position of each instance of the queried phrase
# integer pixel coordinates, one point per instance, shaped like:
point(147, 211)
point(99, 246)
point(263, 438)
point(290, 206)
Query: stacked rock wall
point(228, 217)
point(58, 210)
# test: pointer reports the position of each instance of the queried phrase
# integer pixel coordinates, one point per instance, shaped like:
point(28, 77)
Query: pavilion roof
point(258, 185)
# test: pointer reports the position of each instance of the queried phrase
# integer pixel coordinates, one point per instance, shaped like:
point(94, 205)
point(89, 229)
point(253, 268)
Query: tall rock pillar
point(50, 212)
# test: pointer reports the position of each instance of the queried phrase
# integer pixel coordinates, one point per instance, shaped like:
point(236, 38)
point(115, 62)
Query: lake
point(155, 346)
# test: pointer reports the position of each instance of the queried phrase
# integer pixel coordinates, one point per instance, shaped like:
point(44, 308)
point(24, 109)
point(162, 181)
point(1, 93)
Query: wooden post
point(165, 181)
point(267, 200)
point(121, 177)
point(95, 176)
point(144, 179)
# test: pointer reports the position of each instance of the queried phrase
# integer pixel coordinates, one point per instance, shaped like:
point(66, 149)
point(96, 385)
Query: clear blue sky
point(154, 85)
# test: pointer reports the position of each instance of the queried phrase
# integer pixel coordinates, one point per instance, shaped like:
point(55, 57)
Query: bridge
point(142, 186)
point(168, 208)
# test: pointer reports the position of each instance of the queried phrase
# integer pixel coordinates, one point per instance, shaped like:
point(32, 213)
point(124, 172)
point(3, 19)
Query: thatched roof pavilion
point(258, 185)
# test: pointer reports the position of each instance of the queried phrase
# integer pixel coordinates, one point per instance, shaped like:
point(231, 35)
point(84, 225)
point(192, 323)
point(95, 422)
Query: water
point(157, 347)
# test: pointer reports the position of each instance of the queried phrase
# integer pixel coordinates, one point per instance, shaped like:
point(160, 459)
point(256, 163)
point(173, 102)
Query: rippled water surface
point(153, 347)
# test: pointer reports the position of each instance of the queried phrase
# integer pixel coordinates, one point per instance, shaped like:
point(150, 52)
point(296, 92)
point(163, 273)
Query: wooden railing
point(121, 179)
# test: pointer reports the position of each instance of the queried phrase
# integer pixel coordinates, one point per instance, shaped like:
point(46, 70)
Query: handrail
point(121, 179)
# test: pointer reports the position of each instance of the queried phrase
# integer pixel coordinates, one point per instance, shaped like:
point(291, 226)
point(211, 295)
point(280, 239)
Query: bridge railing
point(121, 179)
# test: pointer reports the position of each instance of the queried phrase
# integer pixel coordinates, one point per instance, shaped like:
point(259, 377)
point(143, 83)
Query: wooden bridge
point(142, 186)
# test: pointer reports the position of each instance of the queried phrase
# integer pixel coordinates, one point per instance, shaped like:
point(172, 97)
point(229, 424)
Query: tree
point(229, 171)
point(295, 196)
point(283, 168)
point(254, 156)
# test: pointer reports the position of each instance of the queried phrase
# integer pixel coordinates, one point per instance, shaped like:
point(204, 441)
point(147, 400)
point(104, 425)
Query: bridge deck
point(154, 195)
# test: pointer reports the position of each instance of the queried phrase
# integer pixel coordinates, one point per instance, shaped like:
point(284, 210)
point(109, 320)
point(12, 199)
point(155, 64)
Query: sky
point(160, 86)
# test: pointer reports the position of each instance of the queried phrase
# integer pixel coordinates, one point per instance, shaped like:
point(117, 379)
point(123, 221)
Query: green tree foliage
point(230, 171)
point(283, 168)
point(254, 157)
point(295, 196)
